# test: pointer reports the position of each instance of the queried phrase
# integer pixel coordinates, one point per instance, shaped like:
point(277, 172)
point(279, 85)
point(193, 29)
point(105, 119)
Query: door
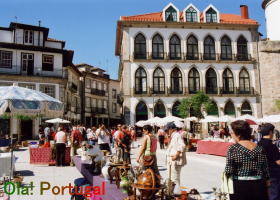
point(26, 129)
point(27, 62)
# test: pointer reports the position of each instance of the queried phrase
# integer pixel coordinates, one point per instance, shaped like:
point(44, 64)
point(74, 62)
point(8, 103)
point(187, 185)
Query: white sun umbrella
point(166, 120)
point(191, 119)
point(270, 119)
point(209, 118)
point(172, 119)
point(179, 124)
point(23, 101)
point(141, 123)
point(153, 121)
point(58, 121)
point(226, 118)
point(244, 117)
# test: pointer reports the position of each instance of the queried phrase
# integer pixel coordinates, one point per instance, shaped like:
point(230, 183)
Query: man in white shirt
point(176, 156)
point(91, 136)
point(60, 139)
point(103, 136)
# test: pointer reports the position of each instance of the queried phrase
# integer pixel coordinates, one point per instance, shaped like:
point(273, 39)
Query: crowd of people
point(253, 166)
point(73, 136)
point(253, 162)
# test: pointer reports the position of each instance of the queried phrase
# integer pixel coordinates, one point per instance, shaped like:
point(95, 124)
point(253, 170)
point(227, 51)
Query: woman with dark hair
point(246, 165)
point(148, 148)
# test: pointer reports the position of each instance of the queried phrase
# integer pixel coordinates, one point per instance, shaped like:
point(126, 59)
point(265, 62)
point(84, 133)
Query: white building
point(169, 55)
point(272, 15)
point(30, 59)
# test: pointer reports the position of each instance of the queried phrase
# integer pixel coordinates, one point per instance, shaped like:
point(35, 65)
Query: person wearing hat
point(176, 156)
point(273, 157)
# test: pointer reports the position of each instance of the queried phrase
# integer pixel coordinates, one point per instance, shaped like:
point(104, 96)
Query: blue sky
point(89, 26)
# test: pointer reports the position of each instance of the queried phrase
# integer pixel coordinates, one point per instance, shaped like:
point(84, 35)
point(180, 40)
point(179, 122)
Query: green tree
point(196, 102)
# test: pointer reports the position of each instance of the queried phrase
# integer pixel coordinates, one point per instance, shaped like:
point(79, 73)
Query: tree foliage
point(195, 103)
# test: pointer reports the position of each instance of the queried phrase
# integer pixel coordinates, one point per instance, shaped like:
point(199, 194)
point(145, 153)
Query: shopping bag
point(227, 184)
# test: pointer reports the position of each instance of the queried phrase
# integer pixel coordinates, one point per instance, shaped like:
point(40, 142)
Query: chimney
point(244, 11)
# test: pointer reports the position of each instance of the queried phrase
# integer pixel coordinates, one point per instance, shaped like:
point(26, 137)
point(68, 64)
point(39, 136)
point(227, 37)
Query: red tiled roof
point(157, 17)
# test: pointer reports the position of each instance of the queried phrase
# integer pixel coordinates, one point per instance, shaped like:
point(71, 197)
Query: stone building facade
point(169, 55)
point(269, 59)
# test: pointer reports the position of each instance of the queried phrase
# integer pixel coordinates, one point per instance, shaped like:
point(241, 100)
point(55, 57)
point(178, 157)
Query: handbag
point(227, 184)
point(148, 161)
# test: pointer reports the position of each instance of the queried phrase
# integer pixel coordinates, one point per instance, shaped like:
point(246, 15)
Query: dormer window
point(191, 15)
point(211, 16)
point(28, 37)
point(170, 14)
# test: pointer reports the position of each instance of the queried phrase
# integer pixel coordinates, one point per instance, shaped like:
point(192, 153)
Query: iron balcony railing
point(191, 56)
point(98, 92)
point(32, 71)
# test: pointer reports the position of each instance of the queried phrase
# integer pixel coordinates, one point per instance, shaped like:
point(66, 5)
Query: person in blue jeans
point(273, 157)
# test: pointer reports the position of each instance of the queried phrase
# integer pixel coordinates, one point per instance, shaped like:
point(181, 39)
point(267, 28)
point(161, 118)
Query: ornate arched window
point(141, 111)
point(211, 16)
point(209, 48)
point(175, 48)
point(226, 49)
point(159, 110)
point(175, 111)
point(192, 48)
point(242, 49)
point(211, 81)
point(140, 81)
point(191, 15)
point(244, 82)
point(229, 109)
point(171, 14)
point(246, 108)
point(140, 47)
point(194, 81)
point(158, 81)
point(158, 47)
point(214, 111)
point(228, 83)
point(176, 81)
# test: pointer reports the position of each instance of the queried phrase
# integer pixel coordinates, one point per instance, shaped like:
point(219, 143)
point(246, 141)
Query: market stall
point(46, 156)
point(213, 147)
point(112, 192)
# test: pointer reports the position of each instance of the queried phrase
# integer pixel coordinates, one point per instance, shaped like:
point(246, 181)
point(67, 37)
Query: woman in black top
point(247, 165)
